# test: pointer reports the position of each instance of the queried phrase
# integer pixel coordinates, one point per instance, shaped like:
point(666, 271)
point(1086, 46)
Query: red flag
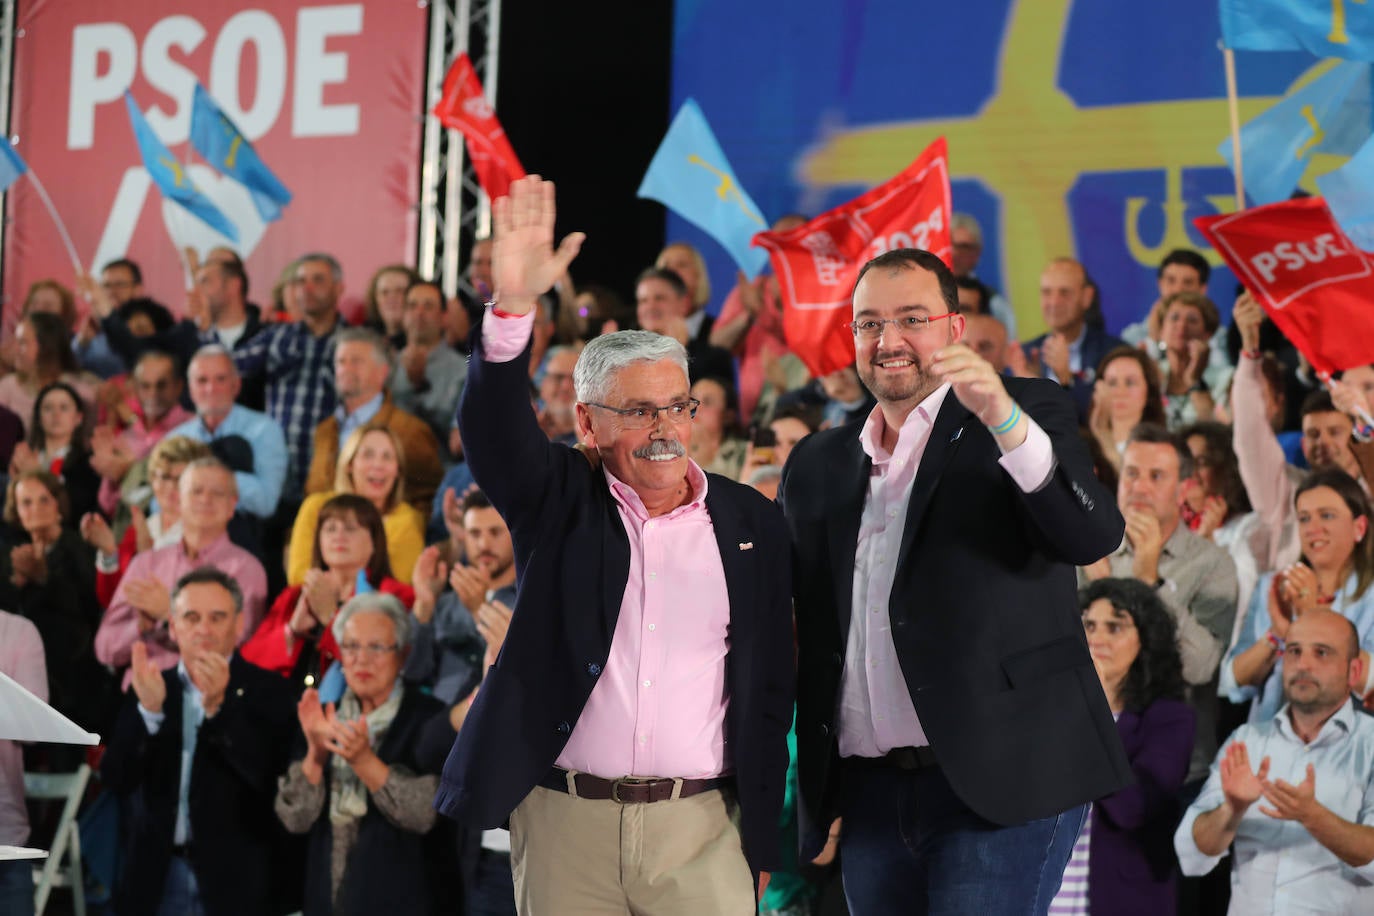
point(463, 107)
point(1315, 284)
point(817, 263)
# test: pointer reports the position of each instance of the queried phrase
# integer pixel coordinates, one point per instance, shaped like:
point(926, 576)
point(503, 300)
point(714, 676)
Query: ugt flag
point(463, 107)
point(1314, 283)
point(691, 176)
point(12, 165)
point(223, 145)
point(171, 178)
point(817, 263)
point(1329, 115)
point(1327, 28)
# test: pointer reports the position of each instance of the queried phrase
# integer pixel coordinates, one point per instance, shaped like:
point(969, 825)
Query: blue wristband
point(1010, 422)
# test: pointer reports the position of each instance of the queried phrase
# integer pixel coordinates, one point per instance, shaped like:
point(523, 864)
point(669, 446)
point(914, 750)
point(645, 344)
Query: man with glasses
point(633, 729)
point(945, 691)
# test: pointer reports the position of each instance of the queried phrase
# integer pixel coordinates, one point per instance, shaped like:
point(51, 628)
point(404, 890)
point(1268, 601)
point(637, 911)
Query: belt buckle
point(627, 781)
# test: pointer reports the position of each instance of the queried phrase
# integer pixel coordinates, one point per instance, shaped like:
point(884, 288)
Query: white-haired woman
point(364, 788)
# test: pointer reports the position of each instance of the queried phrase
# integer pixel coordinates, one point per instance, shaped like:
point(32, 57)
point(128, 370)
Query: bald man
point(1070, 350)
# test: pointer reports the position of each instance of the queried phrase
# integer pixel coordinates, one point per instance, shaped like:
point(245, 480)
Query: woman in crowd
point(1123, 862)
point(58, 442)
point(386, 300)
point(349, 555)
point(717, 445)
point(49, 577)
point(1335, 572)
point(685, 261)
point(42, 355)
point(1215, 504)
point(144, 532)
point(1126, 394)
point(364, 788)
point(372, 465)
point(1188, 379)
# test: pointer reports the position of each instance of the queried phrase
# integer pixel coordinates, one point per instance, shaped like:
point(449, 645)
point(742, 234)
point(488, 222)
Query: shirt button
point(643, 739)
point(652, 627)
point(653, 575)
point(648, 683)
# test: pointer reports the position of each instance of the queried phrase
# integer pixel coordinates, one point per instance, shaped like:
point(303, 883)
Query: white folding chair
point(66, 842)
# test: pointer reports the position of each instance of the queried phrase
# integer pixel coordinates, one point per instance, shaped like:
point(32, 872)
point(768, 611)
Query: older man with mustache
point(633, 729)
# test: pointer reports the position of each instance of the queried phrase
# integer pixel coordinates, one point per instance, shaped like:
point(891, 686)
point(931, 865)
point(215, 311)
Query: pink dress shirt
point(876, 712)
point(118, 632)
point(658, 707)
point(21, 658)
point(141, 438)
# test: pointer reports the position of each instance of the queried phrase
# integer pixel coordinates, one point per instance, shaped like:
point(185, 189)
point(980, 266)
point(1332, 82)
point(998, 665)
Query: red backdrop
point(331, 96)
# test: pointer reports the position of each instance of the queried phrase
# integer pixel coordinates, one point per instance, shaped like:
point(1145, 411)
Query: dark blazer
point(984, 613)
point(239, 850)
point(1096, 344)
point(1131, 865)
point(573, 558)
point(391, 870)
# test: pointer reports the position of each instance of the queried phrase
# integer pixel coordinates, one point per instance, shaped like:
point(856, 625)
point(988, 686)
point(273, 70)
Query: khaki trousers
point(580, 857)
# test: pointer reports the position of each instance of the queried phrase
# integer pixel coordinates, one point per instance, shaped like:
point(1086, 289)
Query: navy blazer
point(1096, 344)
point(572, 557)
point(983, 610)
point(1131, 865)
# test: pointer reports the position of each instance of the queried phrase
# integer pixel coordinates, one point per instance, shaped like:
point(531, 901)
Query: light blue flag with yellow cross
point(1326, 28)
point(171, 177)
point(223, 145)
point(12, 165)
point(691, 176)
point(1329, 115)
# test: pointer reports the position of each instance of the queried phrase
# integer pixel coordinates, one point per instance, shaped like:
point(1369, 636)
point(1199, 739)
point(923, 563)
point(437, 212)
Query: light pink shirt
point(876, 712)
point(141, 438)
point(21, 658)
point(114, 641)
point(659, 705)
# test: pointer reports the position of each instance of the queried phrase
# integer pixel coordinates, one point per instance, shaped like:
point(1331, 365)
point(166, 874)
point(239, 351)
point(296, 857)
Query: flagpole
point(61, 226)
point(1233, 109)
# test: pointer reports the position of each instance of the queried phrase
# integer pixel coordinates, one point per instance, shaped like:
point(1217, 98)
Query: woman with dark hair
point(717, 445)
point(1334, 572)
point(1215, 505)
point(1126, 394)
point(58, 442)
point(42, 355)
point(1123, 862)
point(349, 556)
point(386, 300)
point(1189, 382)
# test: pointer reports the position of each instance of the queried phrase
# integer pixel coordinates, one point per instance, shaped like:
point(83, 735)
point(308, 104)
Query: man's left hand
point(1288, 802)
point(1147, 541)
point(210, 673)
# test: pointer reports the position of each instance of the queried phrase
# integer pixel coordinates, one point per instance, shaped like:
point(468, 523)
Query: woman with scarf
point(364, 788)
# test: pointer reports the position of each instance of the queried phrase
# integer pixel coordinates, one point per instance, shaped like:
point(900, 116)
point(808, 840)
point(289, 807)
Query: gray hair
point(210, 461)
point(380, 347)
point(334, 268)
point(212, 351)
point(967, 223)
point(608, 354)
point(376, 603)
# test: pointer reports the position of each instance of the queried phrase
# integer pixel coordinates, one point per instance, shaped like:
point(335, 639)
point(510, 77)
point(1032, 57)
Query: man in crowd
point(196, 753)
point(1294, 796)
point(1070, 350)
point(662, 306)
point(1194, 578)
point(250, 443)
point(362, 365)
point(933, 550)
point(429, 374)
point(966, 240)
point(1182, 270)
point(138, 614)
point(157, 387)
point(986, 336)
point(584, 692)
point(558, 397)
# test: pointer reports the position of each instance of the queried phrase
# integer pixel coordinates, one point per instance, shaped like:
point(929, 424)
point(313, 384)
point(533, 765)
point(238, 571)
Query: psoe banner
point(329, 94)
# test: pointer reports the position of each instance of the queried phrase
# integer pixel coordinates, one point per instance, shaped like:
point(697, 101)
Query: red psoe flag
point(463, 107)
point(818, 262)
point(1315, 284)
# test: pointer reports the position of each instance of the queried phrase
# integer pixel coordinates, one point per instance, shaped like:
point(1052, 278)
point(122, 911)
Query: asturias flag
point(463, 107)
point(1327, 28)
point(691, 176)
point(171, 178)
point(817, 263)
point(12, 165)
point(223, 145)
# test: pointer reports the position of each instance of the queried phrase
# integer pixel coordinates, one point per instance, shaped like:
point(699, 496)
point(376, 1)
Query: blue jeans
point(16, 887)
point(180, 892)
point(909, 845)
point(494, 894)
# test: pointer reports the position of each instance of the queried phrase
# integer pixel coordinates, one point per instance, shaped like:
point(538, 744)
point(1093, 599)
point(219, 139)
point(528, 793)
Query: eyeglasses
point(370, 650)
point(1113, 628)
point(872, 328)
point(645, 417)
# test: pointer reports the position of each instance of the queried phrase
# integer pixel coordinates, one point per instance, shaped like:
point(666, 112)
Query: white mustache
point(659, 448)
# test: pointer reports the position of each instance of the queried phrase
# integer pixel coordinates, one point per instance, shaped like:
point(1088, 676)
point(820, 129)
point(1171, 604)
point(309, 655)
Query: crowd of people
point(243, 544)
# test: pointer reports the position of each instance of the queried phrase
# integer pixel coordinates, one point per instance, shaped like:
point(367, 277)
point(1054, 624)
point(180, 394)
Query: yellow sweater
point(405, 539)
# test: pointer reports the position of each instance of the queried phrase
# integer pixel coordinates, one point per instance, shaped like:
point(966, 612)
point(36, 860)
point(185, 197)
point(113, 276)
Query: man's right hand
point(1240, 785)
point(524, 263)
point(148, 684)
point(428, 581)
point(1248, 316)
point(471, 584)
point(96, 532)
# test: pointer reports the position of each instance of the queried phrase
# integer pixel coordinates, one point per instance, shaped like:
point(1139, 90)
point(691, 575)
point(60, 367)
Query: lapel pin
point(957, 433)
point(746, 545)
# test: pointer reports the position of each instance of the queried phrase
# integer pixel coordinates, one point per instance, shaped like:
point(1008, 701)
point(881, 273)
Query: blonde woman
point(372, 465)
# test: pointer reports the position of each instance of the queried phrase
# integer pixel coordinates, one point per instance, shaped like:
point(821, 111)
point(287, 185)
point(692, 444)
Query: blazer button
point(593, 669)
point(836, 659)
point(825, 730)
point(564, 728)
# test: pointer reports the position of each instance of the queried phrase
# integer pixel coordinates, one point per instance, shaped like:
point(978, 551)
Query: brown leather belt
point(902, 758)
point(627, 790)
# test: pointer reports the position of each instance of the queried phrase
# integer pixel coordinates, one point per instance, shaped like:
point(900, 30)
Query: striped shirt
point(1072, 899)
point(298, 368)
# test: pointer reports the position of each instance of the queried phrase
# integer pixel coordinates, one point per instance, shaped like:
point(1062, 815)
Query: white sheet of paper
point(10, 853)
point(24, 717)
